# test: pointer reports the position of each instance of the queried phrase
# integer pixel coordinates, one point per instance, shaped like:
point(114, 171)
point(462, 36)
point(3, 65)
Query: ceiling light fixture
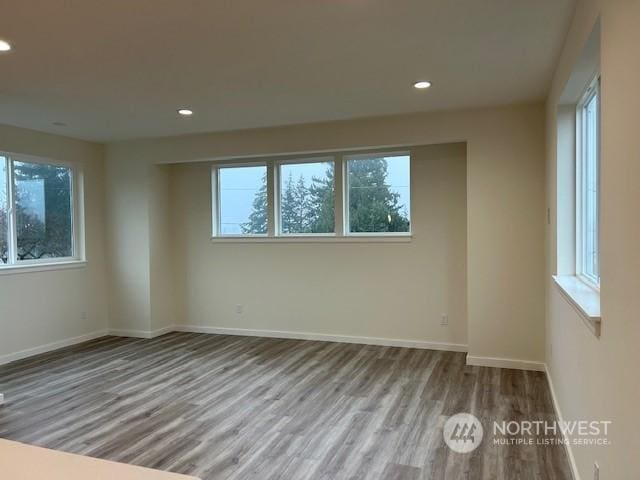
point(4, 46)
point(422, 84)
point(185, 112)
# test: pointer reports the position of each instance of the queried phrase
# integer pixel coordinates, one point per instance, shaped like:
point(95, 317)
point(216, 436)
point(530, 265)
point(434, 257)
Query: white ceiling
point(117, 69)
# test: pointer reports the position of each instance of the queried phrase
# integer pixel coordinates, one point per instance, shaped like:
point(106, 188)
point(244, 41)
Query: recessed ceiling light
point(422, 84)
point(4, 46)
point(185, 112)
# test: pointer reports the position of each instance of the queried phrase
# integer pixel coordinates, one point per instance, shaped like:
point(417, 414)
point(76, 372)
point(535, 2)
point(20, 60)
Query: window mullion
point(215, 202)
point(340, 196)
point(272, 200)
point(12, 257)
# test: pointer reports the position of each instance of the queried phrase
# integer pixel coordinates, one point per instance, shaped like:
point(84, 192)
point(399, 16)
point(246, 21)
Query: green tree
point(322, 203)
point(373, 207)
point(295, 206)
point(258, 218)
point(308, 208)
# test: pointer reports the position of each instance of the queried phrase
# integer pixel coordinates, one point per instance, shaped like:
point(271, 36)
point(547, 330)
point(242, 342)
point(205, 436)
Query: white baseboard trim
point(389, 342)
point(141, 333)
point(322, 337)
point(30, 352)
point(505, 363)
point(567, 446)
point(129, 333)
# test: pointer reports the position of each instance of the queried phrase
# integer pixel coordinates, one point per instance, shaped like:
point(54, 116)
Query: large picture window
point(588, 183)
point(338, 196)
point(36, 212)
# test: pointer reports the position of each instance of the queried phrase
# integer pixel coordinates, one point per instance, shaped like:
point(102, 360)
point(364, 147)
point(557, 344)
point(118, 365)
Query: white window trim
point(592, 90)
point(345, 190)
point(274, 234)
point(78, 259)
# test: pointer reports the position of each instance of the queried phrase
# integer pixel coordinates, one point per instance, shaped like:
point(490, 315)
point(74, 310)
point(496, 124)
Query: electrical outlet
point(239, 309)
point(444, 320)
point(596, 471)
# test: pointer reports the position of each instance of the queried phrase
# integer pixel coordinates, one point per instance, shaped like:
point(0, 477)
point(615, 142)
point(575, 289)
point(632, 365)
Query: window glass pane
point(4, 219)
point(590, 190)
point(243, 200)
point(307, 198)
point(379, 194)
point(43, 211)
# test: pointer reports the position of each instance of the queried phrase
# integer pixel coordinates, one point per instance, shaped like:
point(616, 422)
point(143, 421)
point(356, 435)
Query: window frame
point(217, 204)
point(277, 207)
point(77, 213)
point(591, 91)
point(345, 194)
point(274, 233)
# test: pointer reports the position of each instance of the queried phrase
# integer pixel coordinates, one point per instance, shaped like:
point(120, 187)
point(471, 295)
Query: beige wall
point(128, 246)
point(505, 214)
point(163, 253)
point(597, 378)
point(41, 308)
point(380, 290)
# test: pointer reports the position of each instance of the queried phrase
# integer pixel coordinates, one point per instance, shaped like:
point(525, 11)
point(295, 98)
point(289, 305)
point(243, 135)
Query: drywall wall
point(596, 378)
point(505, 214)
point(162, 252)
point(47, 307)
point(141, 272)
point(379, 290)
point(128, 246)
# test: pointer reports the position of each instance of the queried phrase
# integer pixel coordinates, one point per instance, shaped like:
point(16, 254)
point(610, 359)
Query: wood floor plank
point(228, 407)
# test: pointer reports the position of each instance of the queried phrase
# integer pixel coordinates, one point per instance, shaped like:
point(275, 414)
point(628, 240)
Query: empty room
point(319, 240)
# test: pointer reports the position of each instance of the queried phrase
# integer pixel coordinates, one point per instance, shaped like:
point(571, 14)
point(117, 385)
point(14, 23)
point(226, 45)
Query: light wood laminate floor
point(227, 407)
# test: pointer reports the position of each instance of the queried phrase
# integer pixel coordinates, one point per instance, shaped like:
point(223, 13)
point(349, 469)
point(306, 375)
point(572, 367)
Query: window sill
point(317, 239)
point(584, 299)
point(42, 267)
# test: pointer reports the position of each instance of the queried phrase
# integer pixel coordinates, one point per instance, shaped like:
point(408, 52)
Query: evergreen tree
point(322, 203)
point(372, 206)
point(297, 209)
point(287, 207)
point(258, 218)
point(301, 209)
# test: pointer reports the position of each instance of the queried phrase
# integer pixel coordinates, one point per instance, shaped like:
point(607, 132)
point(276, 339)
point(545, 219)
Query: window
point(242, 200)
point(337, 197)
point(588, 185)
point(378, 194)
point(307, 198)
point(36, 212)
